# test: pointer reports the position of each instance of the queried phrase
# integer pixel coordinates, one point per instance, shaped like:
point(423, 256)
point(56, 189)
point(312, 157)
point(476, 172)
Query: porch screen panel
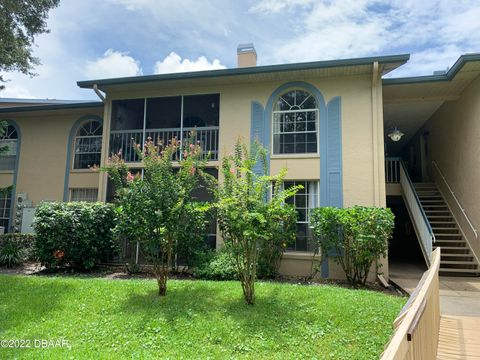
point(126, 128)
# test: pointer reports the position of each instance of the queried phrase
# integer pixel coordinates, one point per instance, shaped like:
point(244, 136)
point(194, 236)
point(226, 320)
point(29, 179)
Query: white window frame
point(84, 193)
point(4, 210)
point(77, 137)
point(308, 207)
point(276, 125)
point(12, 144)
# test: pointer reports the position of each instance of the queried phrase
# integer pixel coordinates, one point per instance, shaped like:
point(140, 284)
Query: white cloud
point(319, 30)
point(173, 63)
point(113, 64)
point(274, 6)
point(427, 61)
point(13, 90)
point(435, 32)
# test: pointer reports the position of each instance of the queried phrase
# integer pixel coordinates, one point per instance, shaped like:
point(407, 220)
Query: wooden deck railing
point(417, 326)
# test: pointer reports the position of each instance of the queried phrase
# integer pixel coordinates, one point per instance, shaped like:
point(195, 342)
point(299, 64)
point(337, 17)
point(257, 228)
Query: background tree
point(20, 22)
point(158, 209)
point(249, 212)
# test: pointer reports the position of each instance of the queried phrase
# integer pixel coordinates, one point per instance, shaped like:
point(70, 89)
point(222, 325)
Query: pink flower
point(192, 170)
point(191, 146)
point(130, 177)
point(232, 171)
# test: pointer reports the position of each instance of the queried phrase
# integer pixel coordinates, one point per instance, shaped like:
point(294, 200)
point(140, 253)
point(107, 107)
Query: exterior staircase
point(456, 256)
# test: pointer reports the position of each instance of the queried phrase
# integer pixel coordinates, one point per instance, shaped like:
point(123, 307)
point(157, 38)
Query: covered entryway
point(424, 177)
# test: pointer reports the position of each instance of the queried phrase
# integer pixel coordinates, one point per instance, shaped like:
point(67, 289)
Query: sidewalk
point(459, 296)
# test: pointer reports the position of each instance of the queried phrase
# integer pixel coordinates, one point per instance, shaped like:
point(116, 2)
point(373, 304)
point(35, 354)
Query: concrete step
point(443, 222)
point(442, 242)
point(458, 272)
point(457, 262)
point(454, 248)
point(450, 255)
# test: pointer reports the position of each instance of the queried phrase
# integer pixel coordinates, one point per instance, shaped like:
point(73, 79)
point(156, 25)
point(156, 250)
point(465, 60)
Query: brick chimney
point(246, 55)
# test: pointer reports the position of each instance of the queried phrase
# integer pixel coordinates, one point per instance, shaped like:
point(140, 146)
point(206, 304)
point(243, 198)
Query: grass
point(106, 319)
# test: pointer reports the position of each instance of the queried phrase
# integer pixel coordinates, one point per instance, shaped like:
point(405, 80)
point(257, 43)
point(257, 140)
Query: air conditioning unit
point(21, 203)
point(21, 198)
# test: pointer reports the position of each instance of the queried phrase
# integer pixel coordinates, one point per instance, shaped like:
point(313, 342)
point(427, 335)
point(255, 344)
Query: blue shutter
point(331, 164)
point(257, 131)
point(334, 154)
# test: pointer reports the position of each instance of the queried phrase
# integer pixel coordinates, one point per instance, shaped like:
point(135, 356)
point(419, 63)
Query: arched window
point(295, 123)
point(88, 145)
point(8, 160)
point(8, 144)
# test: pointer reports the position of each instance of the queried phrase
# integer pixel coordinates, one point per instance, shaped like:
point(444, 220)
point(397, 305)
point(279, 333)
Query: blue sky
point(109, 38)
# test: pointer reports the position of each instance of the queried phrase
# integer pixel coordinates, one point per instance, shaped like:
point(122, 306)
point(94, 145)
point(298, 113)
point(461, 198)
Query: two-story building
point(330, 123)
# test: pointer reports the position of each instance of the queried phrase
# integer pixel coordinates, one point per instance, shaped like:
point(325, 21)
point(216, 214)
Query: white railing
point(123, 141)
point(422, 226)
point(462, 209)
point(392, 169)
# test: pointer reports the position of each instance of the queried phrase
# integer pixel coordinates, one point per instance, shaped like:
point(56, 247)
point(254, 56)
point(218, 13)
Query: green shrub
point(76, 234)
point(156, 209)
point(282, 231)
point(248, 210)
point(15, 249)
point(358, 236)
point(190, 248)
point(220, 267)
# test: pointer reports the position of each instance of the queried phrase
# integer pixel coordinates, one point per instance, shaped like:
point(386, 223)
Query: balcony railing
point(122, 141)
point(392, 170)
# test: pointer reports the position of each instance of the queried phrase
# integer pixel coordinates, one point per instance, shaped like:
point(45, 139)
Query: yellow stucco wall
point(358, 137)
point(453, 142)
point(43, 153)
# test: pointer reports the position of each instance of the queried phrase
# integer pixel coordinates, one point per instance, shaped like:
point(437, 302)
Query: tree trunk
point(162, 285)
point(161, 269)
point(249, 291)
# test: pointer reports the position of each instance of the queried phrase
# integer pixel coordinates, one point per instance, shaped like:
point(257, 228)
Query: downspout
point(379, 194)
point(376, 181)
point(99, 93)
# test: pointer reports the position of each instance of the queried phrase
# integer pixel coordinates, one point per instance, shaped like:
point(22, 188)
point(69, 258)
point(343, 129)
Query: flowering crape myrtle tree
point(155, 209)
point(249, 212)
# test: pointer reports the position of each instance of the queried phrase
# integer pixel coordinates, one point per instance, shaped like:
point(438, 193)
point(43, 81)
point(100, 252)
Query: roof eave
point(51, 107)
point(450, 75)
point(396, 60)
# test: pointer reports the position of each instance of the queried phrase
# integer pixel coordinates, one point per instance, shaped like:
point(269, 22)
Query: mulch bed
point(119, 272)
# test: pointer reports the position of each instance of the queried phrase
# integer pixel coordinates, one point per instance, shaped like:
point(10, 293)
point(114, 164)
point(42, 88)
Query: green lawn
point(113, 319)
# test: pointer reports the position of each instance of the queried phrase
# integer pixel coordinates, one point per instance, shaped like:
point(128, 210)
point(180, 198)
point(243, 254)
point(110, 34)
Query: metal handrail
point(475, 231)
